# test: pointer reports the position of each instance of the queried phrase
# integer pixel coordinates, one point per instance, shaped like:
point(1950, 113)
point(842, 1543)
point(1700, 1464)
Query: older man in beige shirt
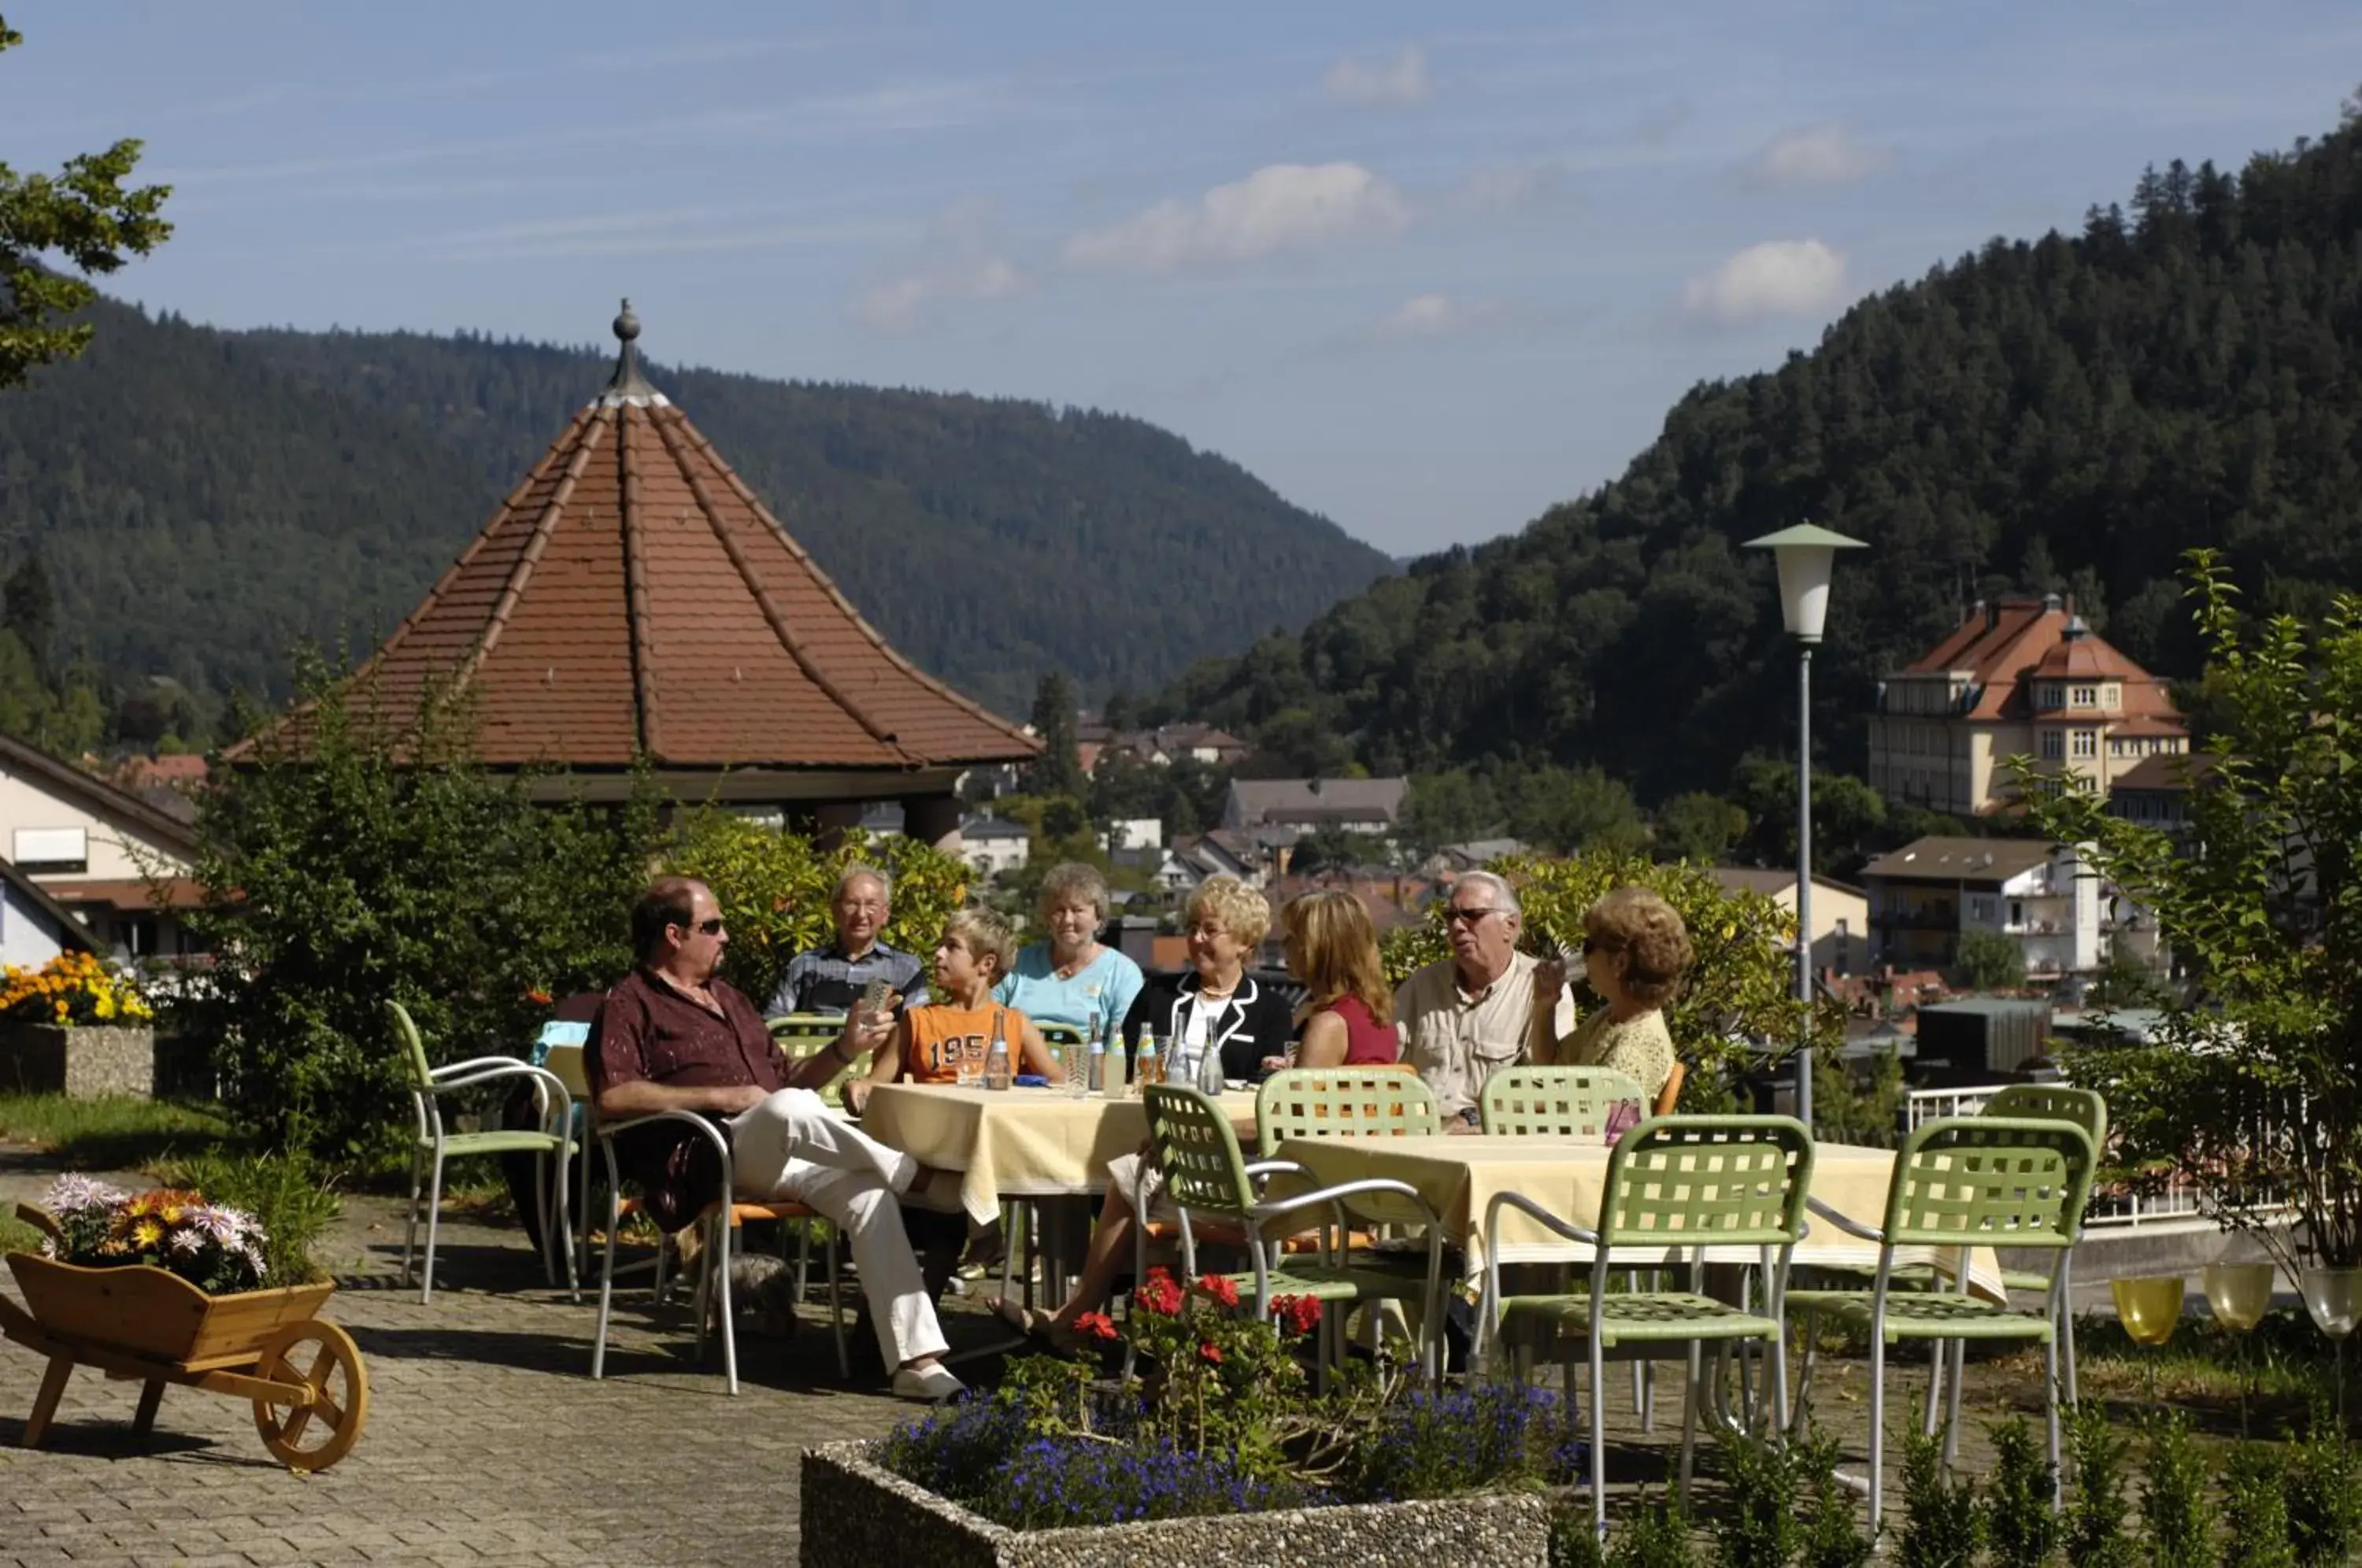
point(1462, 1017)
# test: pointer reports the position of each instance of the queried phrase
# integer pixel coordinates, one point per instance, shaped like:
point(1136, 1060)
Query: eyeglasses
point(1469, 917)
point(708, 927)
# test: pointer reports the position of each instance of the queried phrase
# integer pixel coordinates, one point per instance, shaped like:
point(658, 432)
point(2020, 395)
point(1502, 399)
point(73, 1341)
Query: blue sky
point(1425, 270)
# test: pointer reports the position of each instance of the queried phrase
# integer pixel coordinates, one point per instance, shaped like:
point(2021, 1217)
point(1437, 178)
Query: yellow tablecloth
point(1015, 1142)
point(1460, 1175)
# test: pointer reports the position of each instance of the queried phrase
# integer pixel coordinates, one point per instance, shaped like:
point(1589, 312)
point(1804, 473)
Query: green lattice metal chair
point(1555, 1102)
point(1676, 1184)
point(1207, 1177)
point(1963, 1182)
point(432, 1145)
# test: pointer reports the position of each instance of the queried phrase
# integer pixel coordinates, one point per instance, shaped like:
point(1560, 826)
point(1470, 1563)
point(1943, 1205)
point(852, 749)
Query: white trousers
point(792, 1148)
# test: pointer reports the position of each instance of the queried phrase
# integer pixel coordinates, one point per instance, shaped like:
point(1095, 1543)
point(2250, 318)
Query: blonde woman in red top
point(1348, 1010)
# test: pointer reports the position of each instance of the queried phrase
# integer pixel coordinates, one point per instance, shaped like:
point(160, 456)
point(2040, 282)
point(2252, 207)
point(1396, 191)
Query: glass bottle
point(996, 1060)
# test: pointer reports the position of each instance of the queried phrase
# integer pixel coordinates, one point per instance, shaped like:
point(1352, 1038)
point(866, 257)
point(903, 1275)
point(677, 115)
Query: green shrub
point(1758, 1525)
point(2174, 1505)
point(2324, 1489)
point(2096, 1508)
point(1655, 1534)
point(2021, 1509)
point(1833, 1537)
point(1943, 1524)
point(2256, 1507)
point(289, 1193)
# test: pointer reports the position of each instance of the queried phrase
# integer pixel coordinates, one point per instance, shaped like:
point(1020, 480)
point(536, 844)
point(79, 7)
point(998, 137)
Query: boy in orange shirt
point(931, 1042)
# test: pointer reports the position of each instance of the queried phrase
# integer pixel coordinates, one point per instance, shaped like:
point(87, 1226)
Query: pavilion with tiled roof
point(632, 596)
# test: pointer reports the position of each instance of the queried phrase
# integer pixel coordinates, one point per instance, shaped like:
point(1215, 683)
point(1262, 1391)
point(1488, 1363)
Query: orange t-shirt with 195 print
point(942, 1036)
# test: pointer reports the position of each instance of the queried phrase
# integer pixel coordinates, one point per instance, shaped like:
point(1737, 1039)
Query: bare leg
point(1108, 1256)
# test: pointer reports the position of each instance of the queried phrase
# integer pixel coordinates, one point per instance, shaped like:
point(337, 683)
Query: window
point(2050, 696)
point(2112, 697)
point(2087, 743)
point(2086, 697)
point(2054, 745)
point(1980, 911)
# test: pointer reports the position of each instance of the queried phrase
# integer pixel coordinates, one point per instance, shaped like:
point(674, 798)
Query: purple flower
point(75, 1194)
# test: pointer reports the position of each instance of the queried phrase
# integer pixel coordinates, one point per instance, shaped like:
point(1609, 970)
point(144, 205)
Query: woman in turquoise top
point(1071, 978)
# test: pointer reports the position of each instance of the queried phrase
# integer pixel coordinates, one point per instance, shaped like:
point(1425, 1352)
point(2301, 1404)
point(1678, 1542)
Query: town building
point(995, 844)
point(1291, 807)
point(1928, 894)
point(633, 602)
point(113, 859)
point(1840, 913)
point(2018, 678)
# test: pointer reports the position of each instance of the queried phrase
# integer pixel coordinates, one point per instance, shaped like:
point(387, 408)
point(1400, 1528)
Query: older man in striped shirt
point(830, 980)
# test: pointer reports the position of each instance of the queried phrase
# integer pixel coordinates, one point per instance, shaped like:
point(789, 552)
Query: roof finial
point(627, 385)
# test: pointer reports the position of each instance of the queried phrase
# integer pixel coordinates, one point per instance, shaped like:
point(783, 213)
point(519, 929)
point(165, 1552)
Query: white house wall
point(28, 804)
point(29, 937)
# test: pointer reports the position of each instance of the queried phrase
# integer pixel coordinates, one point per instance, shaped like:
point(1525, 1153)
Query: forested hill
point(2068, 414)
point(201, 498)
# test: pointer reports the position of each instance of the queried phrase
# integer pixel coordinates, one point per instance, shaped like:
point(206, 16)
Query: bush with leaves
point(2021, 1509)
point(2323, 1486)
point(1759, 1525)
point(1740, 987)
point(775, 887)
point(2096, 1508)
point(2255, 1507)
point(356, 856)
point(2174, 1505)
point(2242, 1091)
point(1943, 1525)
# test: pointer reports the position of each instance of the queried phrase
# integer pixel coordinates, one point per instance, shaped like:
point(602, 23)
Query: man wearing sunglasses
point(1462, 1017)
point(675, 1036)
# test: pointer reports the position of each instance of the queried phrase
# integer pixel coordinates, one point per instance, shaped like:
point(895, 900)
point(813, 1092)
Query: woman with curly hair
point(1635, 951)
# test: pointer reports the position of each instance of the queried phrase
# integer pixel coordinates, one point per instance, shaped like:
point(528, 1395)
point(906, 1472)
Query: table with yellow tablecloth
point(1015, 1142)
point(1459, 1175)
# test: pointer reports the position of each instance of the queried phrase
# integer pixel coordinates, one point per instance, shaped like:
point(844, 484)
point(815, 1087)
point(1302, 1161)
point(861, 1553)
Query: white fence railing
point(2116, 1210)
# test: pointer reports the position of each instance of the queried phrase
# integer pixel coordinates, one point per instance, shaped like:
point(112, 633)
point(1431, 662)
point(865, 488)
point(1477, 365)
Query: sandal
point(1029, 1322)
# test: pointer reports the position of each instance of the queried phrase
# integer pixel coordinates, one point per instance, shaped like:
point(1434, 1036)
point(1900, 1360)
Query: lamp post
point(1804, 554)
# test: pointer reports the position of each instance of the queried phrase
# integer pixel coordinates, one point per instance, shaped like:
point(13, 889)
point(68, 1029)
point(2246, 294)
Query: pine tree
point(1059, 770)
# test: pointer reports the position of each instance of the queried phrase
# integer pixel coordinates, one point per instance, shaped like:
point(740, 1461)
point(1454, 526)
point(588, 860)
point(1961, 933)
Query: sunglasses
point(709, 927)
point(1469, 917)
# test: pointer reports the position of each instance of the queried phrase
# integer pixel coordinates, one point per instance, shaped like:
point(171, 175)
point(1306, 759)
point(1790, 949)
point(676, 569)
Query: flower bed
point(1224, 1436)
point(217, 1250)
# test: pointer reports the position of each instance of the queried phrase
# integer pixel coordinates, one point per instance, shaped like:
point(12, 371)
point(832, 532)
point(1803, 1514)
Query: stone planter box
point(857, 1514)
point(80, 1062)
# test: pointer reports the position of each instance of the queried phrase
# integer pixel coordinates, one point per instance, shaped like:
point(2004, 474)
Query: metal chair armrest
point(1343, 1191)
point(1566, 1228)
point(473, 1063)
point(1857, 1231)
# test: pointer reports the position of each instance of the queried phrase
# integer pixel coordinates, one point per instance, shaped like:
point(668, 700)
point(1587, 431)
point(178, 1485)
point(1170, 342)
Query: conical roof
point(633, 594)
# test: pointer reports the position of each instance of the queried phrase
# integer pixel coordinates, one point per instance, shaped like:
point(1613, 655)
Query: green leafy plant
point(1833, 1535)
point(2261, 897)
point(1759, 1525)
point(1655, 1534)
point(2255, 1507)
point(292, 1197)
point(1741, 986)
point(774, 890)
point(2096, 1508)
point(2021, 1511)
point(2323, 1485)
point(2174, 1505)
point(1944, 1525)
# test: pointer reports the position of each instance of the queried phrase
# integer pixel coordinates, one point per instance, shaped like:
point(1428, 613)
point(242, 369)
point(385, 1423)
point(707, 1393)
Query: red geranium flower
point(539, 997)
point(1159, 1295)
point(1221, 1286)
point(1096, 1325)
point(1209, 1350)
point(1299, 1313)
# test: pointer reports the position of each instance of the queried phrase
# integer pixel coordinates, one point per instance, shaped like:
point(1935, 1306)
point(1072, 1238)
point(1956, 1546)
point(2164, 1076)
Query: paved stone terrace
point(487, 1442)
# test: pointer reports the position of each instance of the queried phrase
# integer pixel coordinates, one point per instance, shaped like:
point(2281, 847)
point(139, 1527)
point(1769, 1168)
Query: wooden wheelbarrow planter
point(147, 1325)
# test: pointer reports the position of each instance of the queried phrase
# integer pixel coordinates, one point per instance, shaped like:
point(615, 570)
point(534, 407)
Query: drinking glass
point(2239, 1295)
point(2334, 1297)
point(971, 1071)
point(2149, 1309)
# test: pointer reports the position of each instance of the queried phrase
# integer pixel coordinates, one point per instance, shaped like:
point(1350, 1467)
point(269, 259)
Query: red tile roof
point(633, 593)
point(2006, 646)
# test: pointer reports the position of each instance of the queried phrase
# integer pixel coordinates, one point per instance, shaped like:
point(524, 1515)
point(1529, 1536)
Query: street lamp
point(1804, 554)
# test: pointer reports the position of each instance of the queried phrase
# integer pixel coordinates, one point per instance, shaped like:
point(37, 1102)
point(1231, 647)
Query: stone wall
point(81, 1063)
point(857, 1514)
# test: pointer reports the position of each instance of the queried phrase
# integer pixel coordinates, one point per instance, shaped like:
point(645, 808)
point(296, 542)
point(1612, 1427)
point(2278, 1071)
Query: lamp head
point(1805, 556)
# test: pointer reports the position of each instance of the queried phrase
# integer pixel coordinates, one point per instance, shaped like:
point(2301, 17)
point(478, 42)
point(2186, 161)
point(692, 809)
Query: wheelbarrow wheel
point(322, 1357)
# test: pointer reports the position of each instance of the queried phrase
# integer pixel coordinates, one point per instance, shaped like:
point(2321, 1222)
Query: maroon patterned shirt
point(647, 1031)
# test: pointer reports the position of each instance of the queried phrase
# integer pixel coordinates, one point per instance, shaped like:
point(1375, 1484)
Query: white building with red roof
point(2018, 678)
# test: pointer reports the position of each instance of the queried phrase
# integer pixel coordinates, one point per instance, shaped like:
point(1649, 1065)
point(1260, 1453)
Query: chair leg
point(542, 1212)
point(562, 1233)
point(1599, 1438)
point(1877, 1429)
point(410, 1230)
point(1689, 1396)
point(2050, 1412)
point(607, 1287)
point(1959, 1350)
point(434, 1217)
point(2065, 1334)
point(719, 1253)
point(803, 1260)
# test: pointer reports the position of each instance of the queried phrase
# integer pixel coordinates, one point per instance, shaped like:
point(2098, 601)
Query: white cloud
point(1397, 83)
point(896, 304)
point(1779, 277)
point(1432, 315)
point(1824, 154)
point(1283, 206)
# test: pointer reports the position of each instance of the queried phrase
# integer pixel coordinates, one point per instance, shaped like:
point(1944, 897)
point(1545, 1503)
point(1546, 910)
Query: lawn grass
point(117, 1132)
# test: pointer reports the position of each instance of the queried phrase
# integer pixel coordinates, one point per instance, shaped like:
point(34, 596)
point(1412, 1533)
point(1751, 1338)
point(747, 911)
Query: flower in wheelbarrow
point(1095, 1325)
point(187, 1240)
point(147, 1233)
point(74, 1194)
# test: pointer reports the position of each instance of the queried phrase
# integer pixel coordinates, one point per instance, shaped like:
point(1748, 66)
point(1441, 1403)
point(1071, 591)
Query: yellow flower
point(148, 1233)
